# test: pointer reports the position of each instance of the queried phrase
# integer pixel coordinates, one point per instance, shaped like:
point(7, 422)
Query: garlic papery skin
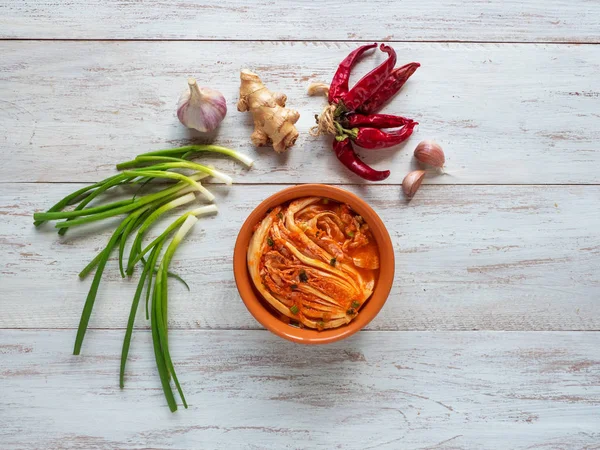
point(202, 109)
point(430, 153)
point(412, 182)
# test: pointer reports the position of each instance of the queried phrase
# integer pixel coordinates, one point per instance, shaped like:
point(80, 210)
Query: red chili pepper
point(375, 121)
point(373, 139)
point(389, 88)
point(339, 84)
point(348, 157)
point(370, 83)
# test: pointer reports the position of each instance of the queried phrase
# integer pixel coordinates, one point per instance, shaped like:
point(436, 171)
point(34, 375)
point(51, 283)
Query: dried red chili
point(348, 157)
point(389, 88)
point(350, 117)
point(375, 121)
point(373, 138)
point(339, 84)
point(370, 83)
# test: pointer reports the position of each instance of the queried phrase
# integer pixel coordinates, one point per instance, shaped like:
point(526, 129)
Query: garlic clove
point(202, 109)
point(431, 153)
point(412, 182)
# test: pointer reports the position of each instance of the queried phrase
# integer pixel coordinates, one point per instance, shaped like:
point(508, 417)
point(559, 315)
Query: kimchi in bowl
point(313, 263)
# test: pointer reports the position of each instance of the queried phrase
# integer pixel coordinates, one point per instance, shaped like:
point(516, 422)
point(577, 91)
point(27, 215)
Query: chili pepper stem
point(352, 133)
point(339, 129)
point(340, 109)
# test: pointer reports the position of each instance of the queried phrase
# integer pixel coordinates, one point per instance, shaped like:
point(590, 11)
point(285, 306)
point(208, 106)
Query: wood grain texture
point(412, 20)
point(467, 257)
point(504, 114)
point(249, 389)
point(471, 255)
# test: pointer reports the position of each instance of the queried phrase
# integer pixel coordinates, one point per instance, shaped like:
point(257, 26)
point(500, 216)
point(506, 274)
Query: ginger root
point(273, 122)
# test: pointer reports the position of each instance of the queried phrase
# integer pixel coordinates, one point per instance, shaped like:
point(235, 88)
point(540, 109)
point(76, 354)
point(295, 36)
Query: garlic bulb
point(412, 182)
point(430, 152)
point(202, 109)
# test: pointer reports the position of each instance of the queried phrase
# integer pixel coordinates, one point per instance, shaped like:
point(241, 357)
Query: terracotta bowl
point(261, 310)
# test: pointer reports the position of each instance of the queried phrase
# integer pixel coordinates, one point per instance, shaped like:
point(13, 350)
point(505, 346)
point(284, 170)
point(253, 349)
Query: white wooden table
point(491, 336)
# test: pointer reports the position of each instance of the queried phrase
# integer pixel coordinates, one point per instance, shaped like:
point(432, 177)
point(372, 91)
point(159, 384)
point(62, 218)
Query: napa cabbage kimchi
point(315, 261)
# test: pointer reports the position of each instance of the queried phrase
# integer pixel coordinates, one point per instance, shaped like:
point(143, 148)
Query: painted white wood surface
point(505, 114)
point(409, 20)
point(468, 258)
point(249, 389)
point(476, 254)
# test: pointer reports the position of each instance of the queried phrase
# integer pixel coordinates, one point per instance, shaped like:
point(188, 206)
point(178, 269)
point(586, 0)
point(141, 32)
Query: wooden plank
point(505, 114)
point(249, 389)
point(468, 257)
point(413, 20)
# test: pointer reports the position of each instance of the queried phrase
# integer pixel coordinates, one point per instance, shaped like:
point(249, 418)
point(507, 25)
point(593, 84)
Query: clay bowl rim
point(264, 316)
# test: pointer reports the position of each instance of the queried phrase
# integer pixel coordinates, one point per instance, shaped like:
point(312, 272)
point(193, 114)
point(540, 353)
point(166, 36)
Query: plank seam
point(333, 184)
point(569, 330)
point(408, 41)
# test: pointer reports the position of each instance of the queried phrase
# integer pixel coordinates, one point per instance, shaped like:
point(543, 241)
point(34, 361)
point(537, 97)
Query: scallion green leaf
point(190, 149)
point(91, 298)
point(130, 323)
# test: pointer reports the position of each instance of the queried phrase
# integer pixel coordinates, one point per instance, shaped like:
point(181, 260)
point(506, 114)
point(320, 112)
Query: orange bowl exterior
point(263, 314)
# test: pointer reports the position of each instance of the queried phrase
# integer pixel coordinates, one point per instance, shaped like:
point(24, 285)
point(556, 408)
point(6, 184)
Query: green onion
point(270, 242)
point(185, 165)
point(141, 160)
point(91, 298)
point(159, 308)
point(294, 309)
point(160, 364)
point(126, 232)
point(154, 199)
point(93, 263)
point(141, 212)
point(355, 304)
point(131, 320)
point(73, 197)
point(177, 277)
point(152, 263)
point(332, 262)
point(123, 206)
point(137, 243)
point(120, 179)
point(165, 174)
point(209, 209)
point(190, 149)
